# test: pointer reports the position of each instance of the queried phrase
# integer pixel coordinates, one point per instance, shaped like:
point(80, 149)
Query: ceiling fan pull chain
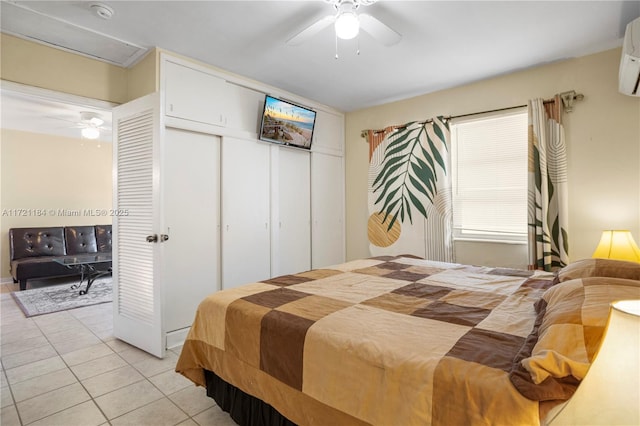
point(336, 46)
point(358, 46)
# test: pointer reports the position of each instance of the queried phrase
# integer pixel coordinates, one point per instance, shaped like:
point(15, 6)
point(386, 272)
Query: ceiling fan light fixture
point(90, 133)
point(92, 118)
point(96, 121)
point(347, 25)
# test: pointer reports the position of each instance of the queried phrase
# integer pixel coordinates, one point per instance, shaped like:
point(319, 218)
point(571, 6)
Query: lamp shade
point(610, 392)
point(617, 245)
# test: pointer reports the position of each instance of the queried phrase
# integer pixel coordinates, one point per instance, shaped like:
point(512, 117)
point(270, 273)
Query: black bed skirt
point(244, 409)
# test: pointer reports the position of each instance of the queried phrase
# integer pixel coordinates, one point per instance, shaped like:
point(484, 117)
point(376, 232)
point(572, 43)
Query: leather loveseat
point(33, 250)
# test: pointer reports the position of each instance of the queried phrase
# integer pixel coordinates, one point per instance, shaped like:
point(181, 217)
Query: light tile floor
point(66, 368)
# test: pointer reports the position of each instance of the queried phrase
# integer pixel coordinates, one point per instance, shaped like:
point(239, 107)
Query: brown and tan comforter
point(385, 341)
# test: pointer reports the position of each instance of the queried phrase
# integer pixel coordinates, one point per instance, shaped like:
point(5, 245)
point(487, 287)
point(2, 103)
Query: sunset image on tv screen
point(287, 123)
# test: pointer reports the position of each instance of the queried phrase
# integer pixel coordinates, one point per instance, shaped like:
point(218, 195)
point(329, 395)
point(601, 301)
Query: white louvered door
point(137, 290)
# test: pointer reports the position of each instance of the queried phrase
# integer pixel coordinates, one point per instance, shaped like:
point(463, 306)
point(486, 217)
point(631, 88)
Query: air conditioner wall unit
point(629, 77)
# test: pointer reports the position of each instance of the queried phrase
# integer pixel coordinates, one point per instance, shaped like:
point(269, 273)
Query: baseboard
point(176, 338)
point(6, 280)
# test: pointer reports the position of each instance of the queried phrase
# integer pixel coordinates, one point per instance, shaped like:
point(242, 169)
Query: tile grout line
point(79, 381)
point(67, 366)
point(13, 398)
point(71, 371)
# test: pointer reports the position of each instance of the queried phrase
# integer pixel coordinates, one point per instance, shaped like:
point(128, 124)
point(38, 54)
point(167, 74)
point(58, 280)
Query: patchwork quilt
point(386, 341)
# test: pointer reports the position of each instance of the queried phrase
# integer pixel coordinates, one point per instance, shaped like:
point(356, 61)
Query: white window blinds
point(489, 157)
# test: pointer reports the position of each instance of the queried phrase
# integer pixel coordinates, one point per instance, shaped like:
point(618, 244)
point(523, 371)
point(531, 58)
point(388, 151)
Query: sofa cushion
point(80, 239)
point(35, 242)
point(103, 238)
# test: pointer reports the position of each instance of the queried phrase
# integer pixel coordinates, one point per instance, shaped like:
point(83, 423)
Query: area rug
point(61, 297)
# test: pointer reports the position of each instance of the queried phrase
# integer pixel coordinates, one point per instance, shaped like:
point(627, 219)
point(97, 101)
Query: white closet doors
point(327, 210)
point(191, 220)
point(246, 252)
point(291, 245)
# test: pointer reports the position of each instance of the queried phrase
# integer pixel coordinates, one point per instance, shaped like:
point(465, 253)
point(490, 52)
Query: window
point(489, 160)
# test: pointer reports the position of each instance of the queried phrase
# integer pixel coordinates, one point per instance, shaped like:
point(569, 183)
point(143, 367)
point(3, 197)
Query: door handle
point(152, 238)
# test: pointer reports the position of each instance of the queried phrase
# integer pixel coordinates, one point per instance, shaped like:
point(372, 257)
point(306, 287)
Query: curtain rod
point(567, 101)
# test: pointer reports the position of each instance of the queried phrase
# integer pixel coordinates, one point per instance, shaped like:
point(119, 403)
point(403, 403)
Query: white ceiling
point(444, 43)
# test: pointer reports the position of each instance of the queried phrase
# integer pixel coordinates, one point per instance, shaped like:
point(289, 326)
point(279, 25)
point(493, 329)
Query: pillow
point(572, 317)
point(600, 268)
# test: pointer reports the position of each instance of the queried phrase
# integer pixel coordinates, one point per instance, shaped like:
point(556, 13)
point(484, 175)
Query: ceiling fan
point(347, 23)
point(90, 124)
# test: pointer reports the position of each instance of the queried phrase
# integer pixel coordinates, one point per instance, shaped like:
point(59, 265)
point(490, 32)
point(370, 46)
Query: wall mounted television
point(286, 123)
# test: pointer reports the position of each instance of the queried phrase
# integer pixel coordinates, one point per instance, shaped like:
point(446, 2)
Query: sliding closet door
point(246, 255)
point(291, 245)
point(327, 210)
point(137, 280)
point(191, 221)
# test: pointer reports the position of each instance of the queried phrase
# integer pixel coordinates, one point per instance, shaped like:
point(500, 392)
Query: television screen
point(286, 123)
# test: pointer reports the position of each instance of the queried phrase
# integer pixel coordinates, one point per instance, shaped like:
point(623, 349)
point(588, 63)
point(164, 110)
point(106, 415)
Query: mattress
point(387, 341)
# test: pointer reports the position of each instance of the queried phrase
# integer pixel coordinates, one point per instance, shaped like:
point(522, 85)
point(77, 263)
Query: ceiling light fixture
point(91, 118)
point(347, 24)
point(96, 121)
point(90, 122)
point(90, 133)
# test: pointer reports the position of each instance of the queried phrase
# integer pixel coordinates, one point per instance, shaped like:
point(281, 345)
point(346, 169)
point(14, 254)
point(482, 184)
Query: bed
point(402, 341)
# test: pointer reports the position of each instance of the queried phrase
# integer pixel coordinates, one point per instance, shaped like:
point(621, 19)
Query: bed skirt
point(244, 409)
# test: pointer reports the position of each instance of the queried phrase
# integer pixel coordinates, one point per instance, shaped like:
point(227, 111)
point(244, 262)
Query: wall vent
point(32, 25)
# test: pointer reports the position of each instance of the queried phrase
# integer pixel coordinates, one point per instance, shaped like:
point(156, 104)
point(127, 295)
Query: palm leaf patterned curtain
point(409, 194)
point(548, 202)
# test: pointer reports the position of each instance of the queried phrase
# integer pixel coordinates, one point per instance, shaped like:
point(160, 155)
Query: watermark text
point(64, 212)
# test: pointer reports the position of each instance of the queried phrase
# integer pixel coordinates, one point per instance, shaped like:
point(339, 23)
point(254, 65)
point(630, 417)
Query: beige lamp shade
point(610, 392)
point(617, 245)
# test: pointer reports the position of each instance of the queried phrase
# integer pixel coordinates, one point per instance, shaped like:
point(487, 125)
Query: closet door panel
point(246, 255)
point(191, 218)
point(327, 210)
point(194, 95)
point(293, 225)
point(328, 135)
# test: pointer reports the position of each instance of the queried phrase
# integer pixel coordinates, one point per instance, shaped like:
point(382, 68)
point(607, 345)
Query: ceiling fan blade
point(51, 117)
point(70, 127)
point(311, 30)
point(381, 32)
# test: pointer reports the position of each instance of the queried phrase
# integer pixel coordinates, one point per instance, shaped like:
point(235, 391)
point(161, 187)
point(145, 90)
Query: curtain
point(409, 191)
point(547, 199)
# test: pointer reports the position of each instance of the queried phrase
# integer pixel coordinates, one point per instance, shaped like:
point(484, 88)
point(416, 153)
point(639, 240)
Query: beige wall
point(603, 137)
point(143, 77)
point(42, 175)
point(37, 65)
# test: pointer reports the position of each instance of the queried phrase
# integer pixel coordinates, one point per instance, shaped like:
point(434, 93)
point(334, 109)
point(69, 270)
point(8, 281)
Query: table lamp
point(610, 392)
point(617, 244)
